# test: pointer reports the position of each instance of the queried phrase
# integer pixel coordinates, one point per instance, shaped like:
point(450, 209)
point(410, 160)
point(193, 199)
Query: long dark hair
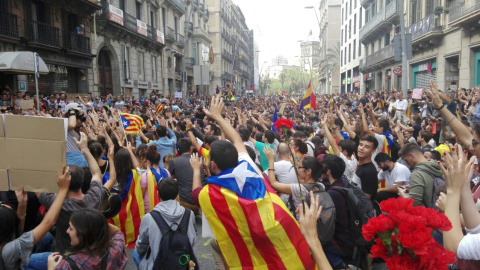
point(92, 232)
point(123, 166)
point(8, 224)
point(152, 155)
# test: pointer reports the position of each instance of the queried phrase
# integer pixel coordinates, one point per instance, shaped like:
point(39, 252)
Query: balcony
point(366, 3)
point(237, 69)
point(195, 3)
point(76, 43)
point(200, 33)
point(189, 27)
point(425, 32)
point(178, 5)
point(381, 23)
point(170, 35)
point(189, 62)
point(43, 34)
point(8, 25)
point(129, 22)
point(207, 14)
point(378, 59)
point(464, 14)
point(180, 40)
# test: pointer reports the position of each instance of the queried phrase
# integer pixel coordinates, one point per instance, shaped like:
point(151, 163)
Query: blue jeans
point(38, 261)
point(136, 258)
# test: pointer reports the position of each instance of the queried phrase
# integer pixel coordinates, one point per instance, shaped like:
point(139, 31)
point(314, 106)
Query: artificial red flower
point(401, 262)
point(398, 204)
point(416, 236)
point(432, 218)
point(287, 123)
point(376, 225)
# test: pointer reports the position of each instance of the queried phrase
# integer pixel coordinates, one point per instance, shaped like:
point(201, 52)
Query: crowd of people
point(221, 157)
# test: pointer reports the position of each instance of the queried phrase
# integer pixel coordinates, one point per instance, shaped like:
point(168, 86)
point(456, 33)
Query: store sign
point(425, 67)
point(115, 14)
point(397, 70)
point(160, 37)
point(357, 84)
point(141, 28)
point(57, 69)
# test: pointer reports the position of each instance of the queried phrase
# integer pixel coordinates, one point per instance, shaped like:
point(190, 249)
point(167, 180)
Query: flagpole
point(124, 133)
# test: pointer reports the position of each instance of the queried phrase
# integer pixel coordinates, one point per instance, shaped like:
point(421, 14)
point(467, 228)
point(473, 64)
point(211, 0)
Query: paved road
point(201, 249)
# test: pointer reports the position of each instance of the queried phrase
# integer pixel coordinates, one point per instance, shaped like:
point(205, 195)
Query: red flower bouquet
point(404, 236)
point(283, 123)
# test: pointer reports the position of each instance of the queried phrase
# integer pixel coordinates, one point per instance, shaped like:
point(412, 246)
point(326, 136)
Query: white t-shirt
point(310, 148)
point(468, 246)
point(400, 173)
point(401, 104)
point(381, 140)
point(350, 166)
point(284, 172)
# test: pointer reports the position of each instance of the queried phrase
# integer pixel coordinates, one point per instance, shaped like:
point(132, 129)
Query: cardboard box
point(3, 154)
point(2, 133)
point(4, 185)
point(35, 181)
point(34, 151)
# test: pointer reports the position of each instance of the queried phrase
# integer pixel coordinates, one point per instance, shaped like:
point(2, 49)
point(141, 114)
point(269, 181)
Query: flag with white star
point(242, 179)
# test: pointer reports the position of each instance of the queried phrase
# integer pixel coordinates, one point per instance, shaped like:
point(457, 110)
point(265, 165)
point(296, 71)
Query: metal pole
point(37, 73)
point(404, 49)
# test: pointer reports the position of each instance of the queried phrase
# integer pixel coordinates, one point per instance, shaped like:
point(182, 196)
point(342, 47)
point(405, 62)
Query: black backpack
point(175, 250)
point(326, 221)
point(360, 210)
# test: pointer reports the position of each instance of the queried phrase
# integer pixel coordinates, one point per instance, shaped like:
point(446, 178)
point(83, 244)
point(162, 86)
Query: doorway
point(105, 86)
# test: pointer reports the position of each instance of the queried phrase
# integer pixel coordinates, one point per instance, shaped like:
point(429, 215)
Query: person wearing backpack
point(167, 234)
point(341, 246)
point(425, 178)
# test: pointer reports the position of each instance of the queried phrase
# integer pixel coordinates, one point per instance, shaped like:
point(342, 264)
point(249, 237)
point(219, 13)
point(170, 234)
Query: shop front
point(369, 80)
point(424, 72)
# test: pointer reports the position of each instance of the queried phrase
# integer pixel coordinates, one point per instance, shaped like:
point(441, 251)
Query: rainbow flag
point(308, 100)
point(252, 225)
point(160, 108)
point(133, 208)
point(131, 123)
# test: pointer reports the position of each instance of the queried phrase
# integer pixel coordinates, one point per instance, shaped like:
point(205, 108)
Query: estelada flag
point(133, 207)
point(131, 123)
point(159, 108)
point(252, 225)
point(210, 55)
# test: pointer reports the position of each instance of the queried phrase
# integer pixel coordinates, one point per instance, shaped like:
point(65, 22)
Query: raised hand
point(269, 154)
point(455, 171)
point(83, 143)
point(216, 108)
point(63, 178)
point(196, 162)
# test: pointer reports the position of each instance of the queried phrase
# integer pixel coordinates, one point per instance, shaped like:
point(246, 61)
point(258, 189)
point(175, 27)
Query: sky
point(279, 25)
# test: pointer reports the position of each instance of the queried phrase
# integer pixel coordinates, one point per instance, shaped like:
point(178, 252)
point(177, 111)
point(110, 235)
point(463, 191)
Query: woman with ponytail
point(154, 174)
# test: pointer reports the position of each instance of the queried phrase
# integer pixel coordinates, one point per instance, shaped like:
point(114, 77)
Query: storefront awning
point(20, 63)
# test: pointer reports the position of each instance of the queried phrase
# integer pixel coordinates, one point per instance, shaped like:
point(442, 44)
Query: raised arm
point(366, 130)
point(331, 140)
point(283, 188)
point(63, 182)
point(134, 159)
point(215, 112)
point(346, 123)
point(113, 173)
point(463, 134)
point(196, 163)
point(92, 163)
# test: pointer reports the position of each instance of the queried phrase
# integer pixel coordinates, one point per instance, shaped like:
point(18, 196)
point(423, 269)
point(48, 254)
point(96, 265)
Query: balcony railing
point(381, 22)
point(129, 22)
point(227, 76)
point(425, 26)
point(207, 13)
point(377, 58)
point(170, 36)
point(178, 4)
point(42, 33)
point(8, 24)
point(77, 43)
point(180, 40)
point(459, 11)
point(202, 33)
point(189, 62)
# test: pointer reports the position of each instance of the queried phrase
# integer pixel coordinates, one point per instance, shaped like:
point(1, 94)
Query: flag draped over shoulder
point(131, 123)
point(133, 207)
point(308, 100)
point(409, 111)
point(252, 225)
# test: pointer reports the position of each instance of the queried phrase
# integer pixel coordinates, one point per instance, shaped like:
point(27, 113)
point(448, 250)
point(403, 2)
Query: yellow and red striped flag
point(252, 225)
point(133, 208)
point(160, 108)
point(131, 123)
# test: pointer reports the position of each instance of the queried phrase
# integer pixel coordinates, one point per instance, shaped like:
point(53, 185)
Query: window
point(349, 51)
point(138, 8)
point(141, 71)
point(341, 38)
point(152, 19)
point(350, 29)
point(366, 15)
point(154, 69)
point(122, 5)
point(345, 58)
point(126, 62)
point(346, 10)
point(350, 11)
point(355, 3)
point(386, 39)
point(176, 25)
point(341, 57)
point(359, 49)
point(360, 18)
point(194, 52)
point(164, 21)
point(342, 15)
point(354, 47)
point(354, 23)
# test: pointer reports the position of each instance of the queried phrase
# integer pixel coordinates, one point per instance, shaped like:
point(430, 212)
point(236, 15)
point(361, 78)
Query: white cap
point(72, 105)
